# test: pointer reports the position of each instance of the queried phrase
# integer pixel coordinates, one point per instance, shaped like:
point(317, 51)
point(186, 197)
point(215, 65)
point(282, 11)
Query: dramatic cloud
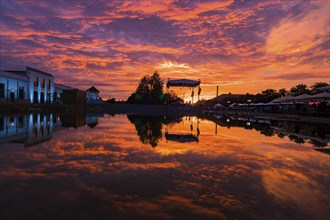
point(227, 43)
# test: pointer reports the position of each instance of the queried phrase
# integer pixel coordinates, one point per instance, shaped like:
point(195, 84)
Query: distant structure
point(36, 86)
point(58, 92)
point(185, 83)
point(92, 95)
point(74, 97)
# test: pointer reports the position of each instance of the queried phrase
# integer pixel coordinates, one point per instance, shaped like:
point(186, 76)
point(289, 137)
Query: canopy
point(218, 106)
point(301, 97)
point(325, 88)
point(292, 98)
point(183, 138)
point(324, 95)
point(283, 99)
point(183, 82)
point(217, 116)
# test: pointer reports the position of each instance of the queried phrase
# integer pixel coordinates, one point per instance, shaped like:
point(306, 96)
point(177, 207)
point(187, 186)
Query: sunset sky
point(242, 46)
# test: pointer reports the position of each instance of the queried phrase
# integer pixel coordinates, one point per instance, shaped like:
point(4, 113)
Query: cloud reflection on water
point(107, 171)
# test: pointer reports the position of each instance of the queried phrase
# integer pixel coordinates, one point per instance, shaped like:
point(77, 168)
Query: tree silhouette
point(149, 129)
point(299, 90)
point(149, 90)
point(315, 86)
point(283, 92)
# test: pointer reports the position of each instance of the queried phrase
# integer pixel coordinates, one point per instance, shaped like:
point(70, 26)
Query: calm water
point(131, 167)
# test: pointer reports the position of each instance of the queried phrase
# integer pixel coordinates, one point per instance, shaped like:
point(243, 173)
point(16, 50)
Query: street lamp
point(249, 102)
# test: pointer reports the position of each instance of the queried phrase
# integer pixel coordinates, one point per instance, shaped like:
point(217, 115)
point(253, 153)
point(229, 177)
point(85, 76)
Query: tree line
point(150, 91)
point(265, 95)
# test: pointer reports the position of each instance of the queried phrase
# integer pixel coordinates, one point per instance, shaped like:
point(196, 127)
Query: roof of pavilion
point(183, 82)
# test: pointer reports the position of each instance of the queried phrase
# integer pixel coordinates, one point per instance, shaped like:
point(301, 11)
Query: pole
point(217, 91)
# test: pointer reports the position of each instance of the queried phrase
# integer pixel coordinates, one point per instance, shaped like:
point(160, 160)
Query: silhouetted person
point(314, 107)
point(322, 107)
point(321, 132)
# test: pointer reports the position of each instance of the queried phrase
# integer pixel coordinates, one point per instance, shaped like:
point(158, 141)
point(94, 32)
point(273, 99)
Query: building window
point(35, 81)
point(43, 83)
point(35, 120)
point(47, 130)
point(2, 124)
point(35, 132)
point(21, 92)
point(2, 90)
point(49, 97)
point(20, 122)
point(41, 131)
point(42, 97)
point(48, 84)
point(12, 122)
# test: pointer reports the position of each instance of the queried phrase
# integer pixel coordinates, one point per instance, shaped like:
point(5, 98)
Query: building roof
point(39, 71)
point(61, 86)
point(14, 75)
point(325, 88)
point(21, 73)
point(226, 96)
point(93, 89)
point(183, 82)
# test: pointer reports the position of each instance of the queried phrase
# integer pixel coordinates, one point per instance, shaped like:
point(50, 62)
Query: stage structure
point(183, 137)
point(185, 83)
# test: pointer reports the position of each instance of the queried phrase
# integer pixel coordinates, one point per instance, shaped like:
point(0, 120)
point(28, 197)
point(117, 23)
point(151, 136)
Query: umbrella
point(260, 104)
point(271, 103)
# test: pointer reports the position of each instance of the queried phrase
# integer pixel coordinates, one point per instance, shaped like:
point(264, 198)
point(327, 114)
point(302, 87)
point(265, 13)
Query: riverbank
point(152, 110)
point(155, 110)
point(14, 108)
point(306, 117)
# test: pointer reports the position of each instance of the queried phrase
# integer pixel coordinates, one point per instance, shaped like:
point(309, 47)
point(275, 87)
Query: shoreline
point(154, 110)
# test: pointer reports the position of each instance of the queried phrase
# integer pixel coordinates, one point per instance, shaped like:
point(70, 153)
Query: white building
point(13, 86)
point(41, 86)
point(92, 95)
point(31, 85)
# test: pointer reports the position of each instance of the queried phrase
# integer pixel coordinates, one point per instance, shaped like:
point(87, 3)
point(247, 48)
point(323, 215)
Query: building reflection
point(92, 120)
point(36, 128)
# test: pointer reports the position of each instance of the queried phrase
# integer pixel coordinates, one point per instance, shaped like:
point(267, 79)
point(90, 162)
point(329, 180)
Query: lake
point(98, 166)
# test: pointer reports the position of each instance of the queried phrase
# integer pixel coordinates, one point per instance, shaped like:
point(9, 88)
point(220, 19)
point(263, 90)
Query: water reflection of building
point(27, 129)
point(73, 120)
point(35, 128)
point(92, 120)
